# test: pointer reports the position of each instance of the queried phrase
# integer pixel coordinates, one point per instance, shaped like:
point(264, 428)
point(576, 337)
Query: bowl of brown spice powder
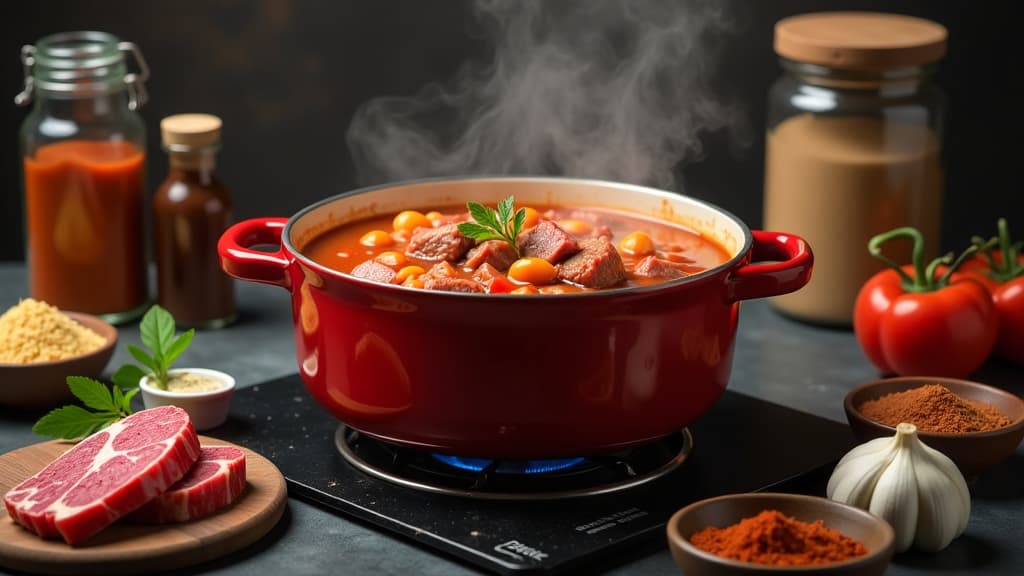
point(40, 346)
point(974, 424)
point(778, 533)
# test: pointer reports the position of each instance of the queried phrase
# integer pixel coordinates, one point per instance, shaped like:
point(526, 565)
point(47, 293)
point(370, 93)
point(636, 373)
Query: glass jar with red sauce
point(191, 209)
point(83, 154)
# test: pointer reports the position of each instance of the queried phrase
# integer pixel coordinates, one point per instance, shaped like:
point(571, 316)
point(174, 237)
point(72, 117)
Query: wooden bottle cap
point(190, 131)
point(860, 40)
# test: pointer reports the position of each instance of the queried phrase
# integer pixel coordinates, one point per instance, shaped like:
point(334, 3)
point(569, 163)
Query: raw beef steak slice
point(214, 481)
point(106, 475)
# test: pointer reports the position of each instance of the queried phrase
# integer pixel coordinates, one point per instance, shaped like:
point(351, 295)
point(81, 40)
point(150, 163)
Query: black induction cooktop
point(742, 445)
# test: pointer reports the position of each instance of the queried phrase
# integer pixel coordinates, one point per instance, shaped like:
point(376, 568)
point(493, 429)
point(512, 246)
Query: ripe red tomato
point(946, 332)
point(923, 320)
point(1002, 272)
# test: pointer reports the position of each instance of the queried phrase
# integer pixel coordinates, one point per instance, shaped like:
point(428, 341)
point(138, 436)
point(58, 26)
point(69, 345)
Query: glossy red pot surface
point(504, 376)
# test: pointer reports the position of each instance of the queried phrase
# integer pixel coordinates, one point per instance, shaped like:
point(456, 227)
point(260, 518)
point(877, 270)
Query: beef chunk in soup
point(654, 267)
point(374, 271)
point(485, 273)
point(497, 253)
point(596, 265)
point(494, 281)
point(451, 284)
point(444, 277)
point(549, 241)
point(441, 243)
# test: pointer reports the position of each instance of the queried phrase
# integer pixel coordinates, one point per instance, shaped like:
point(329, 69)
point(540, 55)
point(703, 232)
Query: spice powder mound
point(934, 408)
point(775, 539)
point(34, 331)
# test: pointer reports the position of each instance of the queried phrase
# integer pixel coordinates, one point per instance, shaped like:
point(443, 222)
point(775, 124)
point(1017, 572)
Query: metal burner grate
point(592, 475)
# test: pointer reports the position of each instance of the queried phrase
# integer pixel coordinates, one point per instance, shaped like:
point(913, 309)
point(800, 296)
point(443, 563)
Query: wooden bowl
point(42, 384)
point(872, 531)
point(972, 452)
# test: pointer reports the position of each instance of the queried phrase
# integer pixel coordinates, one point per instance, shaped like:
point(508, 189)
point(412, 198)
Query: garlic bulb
point(917, 489)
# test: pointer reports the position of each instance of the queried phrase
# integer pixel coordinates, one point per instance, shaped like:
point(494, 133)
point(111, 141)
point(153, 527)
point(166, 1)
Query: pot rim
point(748, 239)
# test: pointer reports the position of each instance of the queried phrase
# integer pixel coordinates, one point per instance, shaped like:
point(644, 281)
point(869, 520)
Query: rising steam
point(619, 90)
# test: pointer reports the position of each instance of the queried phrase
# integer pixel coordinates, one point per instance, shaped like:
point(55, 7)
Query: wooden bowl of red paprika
point(975, 425)
point(821, 536)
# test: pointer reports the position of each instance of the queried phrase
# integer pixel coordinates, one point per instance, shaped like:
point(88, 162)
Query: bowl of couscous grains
point(40, 346)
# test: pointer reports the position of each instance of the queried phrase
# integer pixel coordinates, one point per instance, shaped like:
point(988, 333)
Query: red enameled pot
point(504, 376)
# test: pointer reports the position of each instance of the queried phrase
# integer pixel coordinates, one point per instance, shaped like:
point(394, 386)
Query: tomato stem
point(917, 283)
point(924, 279)
point(1009, 268)
point(943, 281)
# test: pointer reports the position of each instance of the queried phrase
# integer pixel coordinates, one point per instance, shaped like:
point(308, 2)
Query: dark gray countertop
point(793, 364)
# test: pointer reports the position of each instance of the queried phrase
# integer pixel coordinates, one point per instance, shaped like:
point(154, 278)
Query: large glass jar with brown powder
point(853, 147)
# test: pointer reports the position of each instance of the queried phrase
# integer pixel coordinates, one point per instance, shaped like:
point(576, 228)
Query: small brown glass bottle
point(191, 209)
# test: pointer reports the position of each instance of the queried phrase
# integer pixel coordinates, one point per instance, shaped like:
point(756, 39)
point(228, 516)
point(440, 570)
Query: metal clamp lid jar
point(83, 157)
point(853, 146)
point(77, 64)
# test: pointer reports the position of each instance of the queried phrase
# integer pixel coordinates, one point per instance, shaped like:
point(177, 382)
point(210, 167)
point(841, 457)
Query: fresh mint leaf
point(143, 358)
point(478, 232)
point(128, 376)
point(505, 207)
point(179, 345)
point(483, 215)
point(92, 393)
point(118, 397)
point(157, 331)
point(517, 221)
point(70, 422)
point(126, 400)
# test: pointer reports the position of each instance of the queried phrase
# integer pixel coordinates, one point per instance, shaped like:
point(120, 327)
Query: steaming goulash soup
point(556, 250)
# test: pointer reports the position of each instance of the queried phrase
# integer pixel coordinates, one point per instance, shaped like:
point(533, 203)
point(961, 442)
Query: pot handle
point(790, 268)
point(238, 259)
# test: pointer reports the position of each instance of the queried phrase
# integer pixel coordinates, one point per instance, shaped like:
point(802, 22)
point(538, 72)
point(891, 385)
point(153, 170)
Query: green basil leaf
point(126, 407)
point(478, 232)
point(118, 398)
point(92, 393)
point(483, 215)
point(143, 358)
point(517, 223)
point(157, 332)
point(70, 422)
point(128, 376)
point(505, 207)
point(179, 345)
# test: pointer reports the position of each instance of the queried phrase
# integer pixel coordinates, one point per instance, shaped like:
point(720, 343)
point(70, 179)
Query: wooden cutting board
point(133, 548)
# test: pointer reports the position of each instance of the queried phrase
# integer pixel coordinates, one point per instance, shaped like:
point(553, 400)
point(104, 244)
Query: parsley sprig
point(504, 223)
point(114, 403)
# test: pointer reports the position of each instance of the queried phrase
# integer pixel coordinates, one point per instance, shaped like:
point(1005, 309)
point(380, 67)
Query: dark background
point(286, 77)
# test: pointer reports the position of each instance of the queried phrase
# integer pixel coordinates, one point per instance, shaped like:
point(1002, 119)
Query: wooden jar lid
point(190, 131)
point(860, 40)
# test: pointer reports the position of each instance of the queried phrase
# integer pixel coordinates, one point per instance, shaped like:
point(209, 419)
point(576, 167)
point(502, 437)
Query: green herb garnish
point(70, 422)
point(112, 404)
point(501, 224)
point(157, 332)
